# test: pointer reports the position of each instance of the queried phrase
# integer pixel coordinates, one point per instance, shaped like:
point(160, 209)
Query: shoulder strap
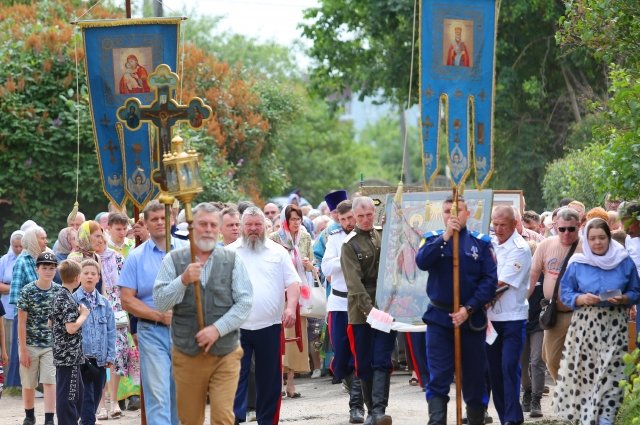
point(564, 267)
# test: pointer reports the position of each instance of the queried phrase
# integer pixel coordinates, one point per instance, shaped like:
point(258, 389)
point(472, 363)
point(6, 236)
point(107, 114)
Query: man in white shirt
point(272, 274)
point(342, 364)
point(508, 315)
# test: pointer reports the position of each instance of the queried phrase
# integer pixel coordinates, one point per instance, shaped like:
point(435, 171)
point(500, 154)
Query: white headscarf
point(30, 242)
point(18, 234)
point(610, 260)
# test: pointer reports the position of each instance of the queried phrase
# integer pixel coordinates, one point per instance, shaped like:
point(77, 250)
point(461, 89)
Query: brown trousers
point(205, 374)
point(553, 343)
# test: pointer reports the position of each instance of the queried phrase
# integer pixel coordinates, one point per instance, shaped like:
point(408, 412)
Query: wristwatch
point(469, 309)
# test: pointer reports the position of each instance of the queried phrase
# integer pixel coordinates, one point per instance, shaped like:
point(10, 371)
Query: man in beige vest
point(205, 361)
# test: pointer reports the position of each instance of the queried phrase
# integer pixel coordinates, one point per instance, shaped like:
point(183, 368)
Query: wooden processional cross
point(164, 113)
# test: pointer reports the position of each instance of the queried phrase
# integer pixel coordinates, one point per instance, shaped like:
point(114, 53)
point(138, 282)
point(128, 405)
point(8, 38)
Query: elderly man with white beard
point(272, 275)
point(205, 361)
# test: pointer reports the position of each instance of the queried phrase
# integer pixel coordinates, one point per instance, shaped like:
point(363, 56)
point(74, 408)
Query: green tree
point(610, 29)
point(38, 120)
point(573, 176)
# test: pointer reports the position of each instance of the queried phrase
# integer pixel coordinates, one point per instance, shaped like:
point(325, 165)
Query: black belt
point(441, 306)
point(339, 293)
point(153, 322)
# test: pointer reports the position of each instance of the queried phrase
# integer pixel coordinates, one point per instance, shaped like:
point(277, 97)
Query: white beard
point(255, 244)
point(206, 245)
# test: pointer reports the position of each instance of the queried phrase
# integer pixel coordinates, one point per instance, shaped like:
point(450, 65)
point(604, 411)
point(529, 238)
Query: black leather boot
point(356, 401)
point(380, 397)
point(437, 411)
point(475, 416)
point(366, 396)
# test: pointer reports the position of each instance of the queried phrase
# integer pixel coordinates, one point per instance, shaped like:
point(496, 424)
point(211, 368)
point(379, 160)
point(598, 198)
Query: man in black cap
point(332, 199)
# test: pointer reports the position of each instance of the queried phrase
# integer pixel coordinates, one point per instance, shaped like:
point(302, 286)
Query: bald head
point(504, 222)
point(271, 211)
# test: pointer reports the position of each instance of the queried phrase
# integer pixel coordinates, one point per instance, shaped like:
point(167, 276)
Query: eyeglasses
point(569, 229)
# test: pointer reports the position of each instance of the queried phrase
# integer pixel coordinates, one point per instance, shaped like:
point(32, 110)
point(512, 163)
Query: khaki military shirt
point(359, 261)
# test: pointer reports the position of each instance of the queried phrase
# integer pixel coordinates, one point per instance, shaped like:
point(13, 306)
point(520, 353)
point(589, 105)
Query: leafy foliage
point(573, 176)
point(630, 410)
point(38, 119)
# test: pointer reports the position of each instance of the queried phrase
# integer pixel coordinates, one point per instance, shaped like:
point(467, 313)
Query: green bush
point(629, 413)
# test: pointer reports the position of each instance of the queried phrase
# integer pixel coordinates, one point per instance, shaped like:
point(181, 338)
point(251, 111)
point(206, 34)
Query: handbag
point(549, 312)
point(122, 319)
point(317, 307)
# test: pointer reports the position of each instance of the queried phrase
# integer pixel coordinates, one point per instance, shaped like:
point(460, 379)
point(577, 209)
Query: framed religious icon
point(401, 285)
point(379, 196)
point(513, 198)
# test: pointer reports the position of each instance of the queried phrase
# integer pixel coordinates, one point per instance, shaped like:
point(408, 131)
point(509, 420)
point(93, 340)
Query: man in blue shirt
point(478, 283)
point(154, 336)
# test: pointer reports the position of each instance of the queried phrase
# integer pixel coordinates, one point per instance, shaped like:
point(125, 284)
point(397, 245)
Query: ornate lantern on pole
point(184, 183)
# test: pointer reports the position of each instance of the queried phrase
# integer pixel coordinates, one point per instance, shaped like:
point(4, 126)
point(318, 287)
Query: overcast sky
point(274, 20)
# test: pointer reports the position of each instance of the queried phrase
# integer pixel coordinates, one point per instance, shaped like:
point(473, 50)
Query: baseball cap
point(47, 258)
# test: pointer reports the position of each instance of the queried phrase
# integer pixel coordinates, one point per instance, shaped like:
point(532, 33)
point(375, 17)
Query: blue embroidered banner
point(119, 56)
point(457, 61)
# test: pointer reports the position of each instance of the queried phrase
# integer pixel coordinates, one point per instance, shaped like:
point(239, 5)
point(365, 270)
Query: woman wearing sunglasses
point(599, 284)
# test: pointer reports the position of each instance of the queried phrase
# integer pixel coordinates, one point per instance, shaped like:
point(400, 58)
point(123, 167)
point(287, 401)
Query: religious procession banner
point(120, 55)
point(457, 62)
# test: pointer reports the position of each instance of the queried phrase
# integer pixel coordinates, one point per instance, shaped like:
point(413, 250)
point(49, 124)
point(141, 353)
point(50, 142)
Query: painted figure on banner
point(458, 162)
point(196, 119)
point(138, 184)
point(134, 77)
point(133, 120)
point(459, 51)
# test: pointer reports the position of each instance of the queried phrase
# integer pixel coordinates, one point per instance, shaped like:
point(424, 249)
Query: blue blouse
point(582, 278)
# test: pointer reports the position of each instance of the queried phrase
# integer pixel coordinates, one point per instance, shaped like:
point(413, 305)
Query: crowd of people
point(93, 319)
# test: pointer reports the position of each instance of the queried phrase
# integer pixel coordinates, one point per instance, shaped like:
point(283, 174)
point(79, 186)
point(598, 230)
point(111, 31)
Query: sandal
point(115, 412)
point(102, 414)
point(293, 395)
point(413, 382)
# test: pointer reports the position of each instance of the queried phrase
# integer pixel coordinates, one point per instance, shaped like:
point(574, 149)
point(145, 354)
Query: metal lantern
point(182, 171)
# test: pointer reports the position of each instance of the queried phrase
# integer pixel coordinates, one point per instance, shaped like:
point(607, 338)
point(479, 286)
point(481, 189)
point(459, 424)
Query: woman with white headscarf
point(599, 285)
point(6, 272)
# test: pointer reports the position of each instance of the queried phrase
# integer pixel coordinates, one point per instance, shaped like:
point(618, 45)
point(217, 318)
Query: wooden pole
point(456, 306)
point(128, 8)
point(192, 243)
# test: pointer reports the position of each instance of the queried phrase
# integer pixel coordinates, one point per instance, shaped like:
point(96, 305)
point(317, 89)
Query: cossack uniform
point(478, 283)
point(371, 348)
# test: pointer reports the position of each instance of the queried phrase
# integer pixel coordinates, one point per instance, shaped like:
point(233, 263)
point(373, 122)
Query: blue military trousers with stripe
point(371, 349)
point(440, 359)
point(342, 364)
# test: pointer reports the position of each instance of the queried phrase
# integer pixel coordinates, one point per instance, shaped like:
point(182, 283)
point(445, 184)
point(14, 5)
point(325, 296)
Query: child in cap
point(67, 317)
point(98, 339)
point(35, 338)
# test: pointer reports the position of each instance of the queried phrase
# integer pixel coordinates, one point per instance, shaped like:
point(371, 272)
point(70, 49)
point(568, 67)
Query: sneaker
point(134, 403)
point(251, 416)
point(317, 373)
point(536, 409)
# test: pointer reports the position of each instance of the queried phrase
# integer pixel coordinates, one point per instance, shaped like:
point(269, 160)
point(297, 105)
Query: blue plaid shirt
point(24, 272)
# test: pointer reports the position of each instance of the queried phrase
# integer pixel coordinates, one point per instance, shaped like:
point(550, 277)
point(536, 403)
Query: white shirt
point(633, 246)
point(514, 265)
point(271, 272)
point(331, 267)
